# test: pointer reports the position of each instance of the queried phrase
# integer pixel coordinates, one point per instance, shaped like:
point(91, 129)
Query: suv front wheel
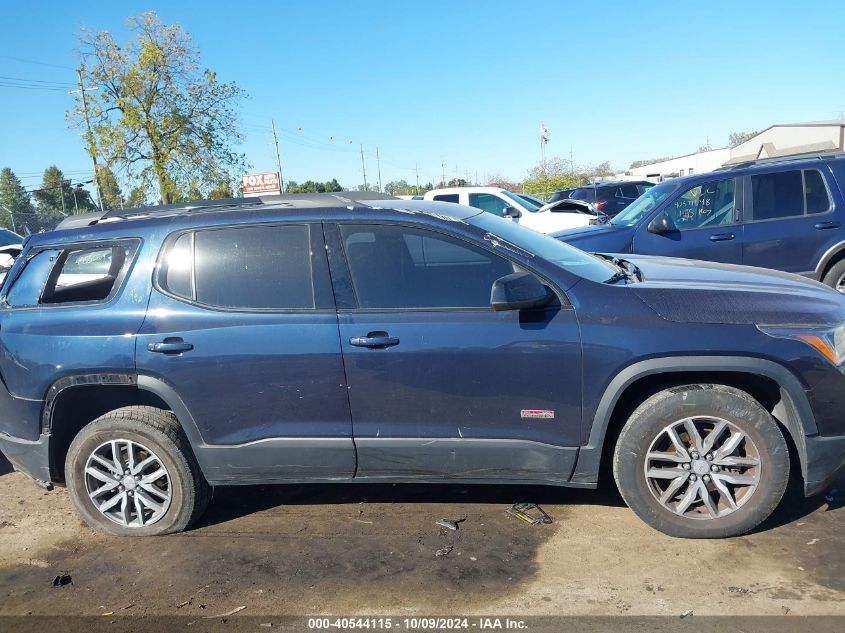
point(131, 472)
point(701, 461)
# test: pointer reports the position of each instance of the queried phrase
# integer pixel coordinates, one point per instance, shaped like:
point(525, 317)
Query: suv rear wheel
point(835, 277)
point(701, 461)
point(131, 472)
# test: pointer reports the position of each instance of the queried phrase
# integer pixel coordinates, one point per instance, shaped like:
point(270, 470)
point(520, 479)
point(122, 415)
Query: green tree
point(738, 138)
point(221, 190)
point(157, 114)
point(58, 196)
point(397, 188)
point(138, 197)
point(14, 199)
point(551, 175)
point(110, 190)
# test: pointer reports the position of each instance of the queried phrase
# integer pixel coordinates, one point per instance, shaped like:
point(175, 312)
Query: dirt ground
point(372, 549)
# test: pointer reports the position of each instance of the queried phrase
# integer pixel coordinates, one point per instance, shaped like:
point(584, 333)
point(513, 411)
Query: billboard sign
point(267, 182)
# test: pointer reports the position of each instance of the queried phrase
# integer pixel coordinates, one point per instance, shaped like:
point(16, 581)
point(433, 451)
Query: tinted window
point(447, 197)
point(704, 205)
point(267, 267)
point(401, 267)
point(630, 191)
point(177, 267)
point(815, 192)
point(487, 202)
point(788, 194)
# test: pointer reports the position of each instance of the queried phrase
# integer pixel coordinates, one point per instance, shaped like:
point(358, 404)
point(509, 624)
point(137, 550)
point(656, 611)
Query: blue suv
point(787, 214)
point(149, 355)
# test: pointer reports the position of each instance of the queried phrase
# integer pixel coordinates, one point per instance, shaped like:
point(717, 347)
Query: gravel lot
point(371, 549)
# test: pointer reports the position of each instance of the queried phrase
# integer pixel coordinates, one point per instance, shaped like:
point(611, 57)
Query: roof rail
point(340, 198)
point(784, 159)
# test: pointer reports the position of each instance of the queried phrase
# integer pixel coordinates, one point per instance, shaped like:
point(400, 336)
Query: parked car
point(235, 343)
point(785, 214)
point(504, 203)
point(11, 245)
point(611, 197)
point(560, 195)
point(532, 199)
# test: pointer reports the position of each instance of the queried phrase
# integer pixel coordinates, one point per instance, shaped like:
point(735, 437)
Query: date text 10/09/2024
point(417, 624)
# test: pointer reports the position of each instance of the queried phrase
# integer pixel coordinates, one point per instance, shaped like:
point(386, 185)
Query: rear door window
point(788, 194)
point(249, 268)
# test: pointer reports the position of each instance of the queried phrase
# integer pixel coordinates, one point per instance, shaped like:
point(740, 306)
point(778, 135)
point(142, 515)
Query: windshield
point(644, 205)
point(572, 259)
point(531, 200)
point(528, 206)
point(7, 237)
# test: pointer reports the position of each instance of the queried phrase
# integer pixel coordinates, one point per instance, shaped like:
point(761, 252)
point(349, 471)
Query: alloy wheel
point(702, 467)
point(128, 483)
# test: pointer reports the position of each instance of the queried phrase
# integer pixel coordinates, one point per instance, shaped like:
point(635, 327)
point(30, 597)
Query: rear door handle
point(722, 237)
point(374, 340)
point(821, 226)
point(170, 346)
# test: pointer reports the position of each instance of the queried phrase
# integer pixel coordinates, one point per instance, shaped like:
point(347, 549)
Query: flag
point(544, 134)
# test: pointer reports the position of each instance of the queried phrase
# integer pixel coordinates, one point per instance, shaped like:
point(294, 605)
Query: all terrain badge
point(541, 414)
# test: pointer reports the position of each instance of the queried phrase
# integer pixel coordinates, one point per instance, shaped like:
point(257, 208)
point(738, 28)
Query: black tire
point(159, 431)
point(736, 407)
point(836, 275)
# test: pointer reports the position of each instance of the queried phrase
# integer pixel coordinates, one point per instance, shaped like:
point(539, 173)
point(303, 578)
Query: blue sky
point(465, 83)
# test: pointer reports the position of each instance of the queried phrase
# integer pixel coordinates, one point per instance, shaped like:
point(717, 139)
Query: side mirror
point(518, 291)
point(661, 224)
point(511, 212)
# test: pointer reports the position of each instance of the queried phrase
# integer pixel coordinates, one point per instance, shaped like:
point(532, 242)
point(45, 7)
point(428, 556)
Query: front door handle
point(170, 345)
point(722, 237)
point(821, 226)
point(374, 340)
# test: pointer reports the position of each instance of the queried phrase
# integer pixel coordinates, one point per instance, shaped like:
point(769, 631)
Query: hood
point(599, 238)
point(690, 291)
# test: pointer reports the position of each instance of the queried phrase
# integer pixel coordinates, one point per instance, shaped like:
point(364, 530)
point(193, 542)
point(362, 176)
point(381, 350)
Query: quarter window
point(71, 275)
point(401, 267)
point(705, 205)
point(447, 197)
point(786, 194)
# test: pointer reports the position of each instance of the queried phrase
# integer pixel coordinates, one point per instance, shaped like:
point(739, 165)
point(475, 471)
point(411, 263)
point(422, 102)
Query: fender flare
point(828, 256)
point(793, 410)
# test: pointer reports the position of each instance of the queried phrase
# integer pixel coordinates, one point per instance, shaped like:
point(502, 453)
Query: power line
point(37, 63)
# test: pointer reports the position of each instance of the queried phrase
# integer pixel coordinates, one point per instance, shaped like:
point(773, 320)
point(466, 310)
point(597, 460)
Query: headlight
point(829, 342)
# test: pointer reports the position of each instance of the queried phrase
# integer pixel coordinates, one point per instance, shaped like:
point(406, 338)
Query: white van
point(505, 204)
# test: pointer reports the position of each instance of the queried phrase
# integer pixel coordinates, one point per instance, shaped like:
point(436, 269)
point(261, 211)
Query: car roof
point(308, 207)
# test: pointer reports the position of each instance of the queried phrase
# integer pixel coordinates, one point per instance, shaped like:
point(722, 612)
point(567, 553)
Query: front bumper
point(31, 457)
point(824, 461)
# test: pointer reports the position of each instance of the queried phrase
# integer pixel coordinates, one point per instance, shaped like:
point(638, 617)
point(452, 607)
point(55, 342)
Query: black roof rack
point(784, 159)
point(291, 200)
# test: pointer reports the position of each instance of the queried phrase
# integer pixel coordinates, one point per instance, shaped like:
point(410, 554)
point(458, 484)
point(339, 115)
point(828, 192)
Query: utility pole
point(278, 159)
point(417, 170)
point(62, 195)
point(364, 168)
point(443, 168)
point(378, 163)
point(92, 149)
point(12, 216)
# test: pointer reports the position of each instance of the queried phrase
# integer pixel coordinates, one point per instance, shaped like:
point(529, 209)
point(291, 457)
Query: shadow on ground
point(5, 466)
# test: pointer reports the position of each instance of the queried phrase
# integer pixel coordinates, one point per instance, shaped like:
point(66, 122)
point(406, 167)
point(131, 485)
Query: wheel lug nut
point(714, 468)
point(693, 477)
point(709, 457)
point(687, 466)
point(706, 478)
